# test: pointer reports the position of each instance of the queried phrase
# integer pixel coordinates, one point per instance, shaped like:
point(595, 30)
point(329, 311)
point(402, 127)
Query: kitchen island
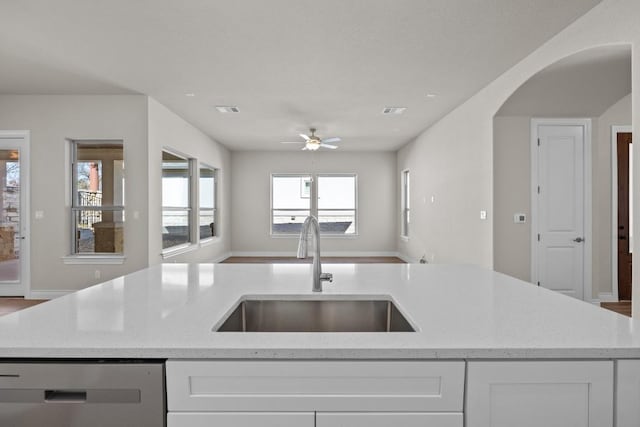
point(484, 345)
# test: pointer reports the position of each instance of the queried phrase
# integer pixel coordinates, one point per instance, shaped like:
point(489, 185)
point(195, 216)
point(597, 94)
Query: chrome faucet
point(318, 275)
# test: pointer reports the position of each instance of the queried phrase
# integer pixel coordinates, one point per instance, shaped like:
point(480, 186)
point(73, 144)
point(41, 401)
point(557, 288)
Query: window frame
point(405, 204)
point(74, 256)
point(313, 205)
point(192, 213)
point(216, 229)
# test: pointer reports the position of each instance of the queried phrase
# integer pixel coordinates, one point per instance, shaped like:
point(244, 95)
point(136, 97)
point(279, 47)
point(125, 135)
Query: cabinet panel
point(240, 419)
point(628, 393)
point(386, 419)
point(315, 385)
point(532, 394)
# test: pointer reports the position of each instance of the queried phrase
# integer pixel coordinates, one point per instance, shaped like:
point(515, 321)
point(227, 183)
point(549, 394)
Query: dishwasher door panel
point(82, 394)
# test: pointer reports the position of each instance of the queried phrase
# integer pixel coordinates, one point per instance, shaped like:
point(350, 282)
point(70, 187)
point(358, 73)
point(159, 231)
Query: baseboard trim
point(324, 253)
point(606, 297)
point(48, 294)
point(221, 258)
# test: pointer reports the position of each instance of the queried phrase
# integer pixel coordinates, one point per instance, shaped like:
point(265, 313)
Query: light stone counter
point(168, 311)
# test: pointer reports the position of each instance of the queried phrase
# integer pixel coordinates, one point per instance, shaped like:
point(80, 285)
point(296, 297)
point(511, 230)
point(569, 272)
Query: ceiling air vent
point(393, 110)
point(227, 109)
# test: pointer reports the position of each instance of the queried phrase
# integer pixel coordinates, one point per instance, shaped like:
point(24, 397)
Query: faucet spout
point(303, 243)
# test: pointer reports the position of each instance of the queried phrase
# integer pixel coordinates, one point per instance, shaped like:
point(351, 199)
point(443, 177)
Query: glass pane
point(99, 174)
point(288, 221)
point(95, 234)
point(175, 228)
point(206, 223)
point(175, 181)
point(336, 192)
point(337, 222)
point(291, 192)
point(10, 210)
point(207, 188)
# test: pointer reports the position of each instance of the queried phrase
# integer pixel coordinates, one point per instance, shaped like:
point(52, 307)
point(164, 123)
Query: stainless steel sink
point(315, 315)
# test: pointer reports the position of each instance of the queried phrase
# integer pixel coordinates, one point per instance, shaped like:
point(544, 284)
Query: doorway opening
point(621, 212)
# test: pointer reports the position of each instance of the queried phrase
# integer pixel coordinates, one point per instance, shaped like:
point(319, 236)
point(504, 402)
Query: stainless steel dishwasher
point(82, 394)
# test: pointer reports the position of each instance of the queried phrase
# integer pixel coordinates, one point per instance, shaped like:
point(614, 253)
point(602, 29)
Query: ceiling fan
point(314, 142)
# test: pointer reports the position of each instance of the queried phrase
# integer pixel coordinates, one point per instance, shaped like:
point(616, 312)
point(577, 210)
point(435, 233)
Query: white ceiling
point(287, 64)
point(585, 84)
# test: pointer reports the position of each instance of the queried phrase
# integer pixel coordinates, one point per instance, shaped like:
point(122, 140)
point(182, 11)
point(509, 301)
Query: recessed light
point(227, 109)
point(190, 94)
point(431, 95)
point(393, 110)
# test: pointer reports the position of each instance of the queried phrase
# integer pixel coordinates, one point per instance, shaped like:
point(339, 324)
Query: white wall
point(52, 119)
point(168, 130)
point(455, 154)
point(250, 190)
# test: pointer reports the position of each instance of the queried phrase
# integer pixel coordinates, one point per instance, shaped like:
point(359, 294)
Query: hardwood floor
point(9, 305)
point(622, 307)
point(308, 260)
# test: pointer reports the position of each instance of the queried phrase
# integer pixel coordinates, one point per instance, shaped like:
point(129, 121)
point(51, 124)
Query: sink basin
point(315, 315)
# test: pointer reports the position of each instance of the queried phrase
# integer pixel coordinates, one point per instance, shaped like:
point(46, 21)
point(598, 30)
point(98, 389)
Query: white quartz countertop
point(169, 310)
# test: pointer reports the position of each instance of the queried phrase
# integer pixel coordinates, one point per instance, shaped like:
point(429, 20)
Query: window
point(207, 192)
point(97, 206)
point(176, 200)
point(406, 207)
point(332, 198)
point(290, 202)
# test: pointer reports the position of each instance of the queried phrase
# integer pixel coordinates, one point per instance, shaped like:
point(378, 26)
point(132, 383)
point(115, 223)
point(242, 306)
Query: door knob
point(578, 239)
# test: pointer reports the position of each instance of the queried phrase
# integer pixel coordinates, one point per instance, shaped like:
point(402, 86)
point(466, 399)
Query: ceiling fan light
point(312, 146)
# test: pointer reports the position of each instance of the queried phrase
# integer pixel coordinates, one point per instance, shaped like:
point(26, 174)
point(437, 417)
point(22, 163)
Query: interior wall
point(466, 186)
point(52, 119)
point(168, 130)
point(512, 194)
point(251, 181)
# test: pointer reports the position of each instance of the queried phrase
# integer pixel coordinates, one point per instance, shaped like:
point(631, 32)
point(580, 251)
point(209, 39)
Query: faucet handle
point(326, 277)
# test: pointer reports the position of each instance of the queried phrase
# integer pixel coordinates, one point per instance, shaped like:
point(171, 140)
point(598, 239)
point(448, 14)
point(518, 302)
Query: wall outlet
point(39, 214)
point(519, 218)
point(97, 274)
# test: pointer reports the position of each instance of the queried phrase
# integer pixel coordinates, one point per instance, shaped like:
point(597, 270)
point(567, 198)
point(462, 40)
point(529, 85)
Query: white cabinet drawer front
point(241, 419)
point(387, 419)
point(315, 386)
point(532, 394)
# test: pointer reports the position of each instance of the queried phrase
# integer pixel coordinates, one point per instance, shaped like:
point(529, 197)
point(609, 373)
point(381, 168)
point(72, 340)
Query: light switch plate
point(483, 214)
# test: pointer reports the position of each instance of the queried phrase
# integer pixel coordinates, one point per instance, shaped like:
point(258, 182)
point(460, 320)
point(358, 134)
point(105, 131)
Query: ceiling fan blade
point(304, 148)
point(332, 139)
point(333, 147)
point(305, 137)
point(292, 142)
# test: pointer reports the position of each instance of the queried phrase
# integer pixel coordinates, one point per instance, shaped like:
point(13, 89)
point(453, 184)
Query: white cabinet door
point(628, 393)
point(386, 419)
point(240, 419)
point(534, 394)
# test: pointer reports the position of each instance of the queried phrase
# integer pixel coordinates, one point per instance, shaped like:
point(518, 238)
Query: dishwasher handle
point(65, 396)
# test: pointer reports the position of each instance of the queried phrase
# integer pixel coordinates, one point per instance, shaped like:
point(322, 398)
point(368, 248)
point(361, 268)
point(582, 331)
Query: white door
point(560, 241)
point(14, 244)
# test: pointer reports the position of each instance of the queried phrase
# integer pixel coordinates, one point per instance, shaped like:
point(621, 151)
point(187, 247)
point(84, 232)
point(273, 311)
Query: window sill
point(322, 236)
point(94, 259)
point(209, 241)
point(178, 250)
